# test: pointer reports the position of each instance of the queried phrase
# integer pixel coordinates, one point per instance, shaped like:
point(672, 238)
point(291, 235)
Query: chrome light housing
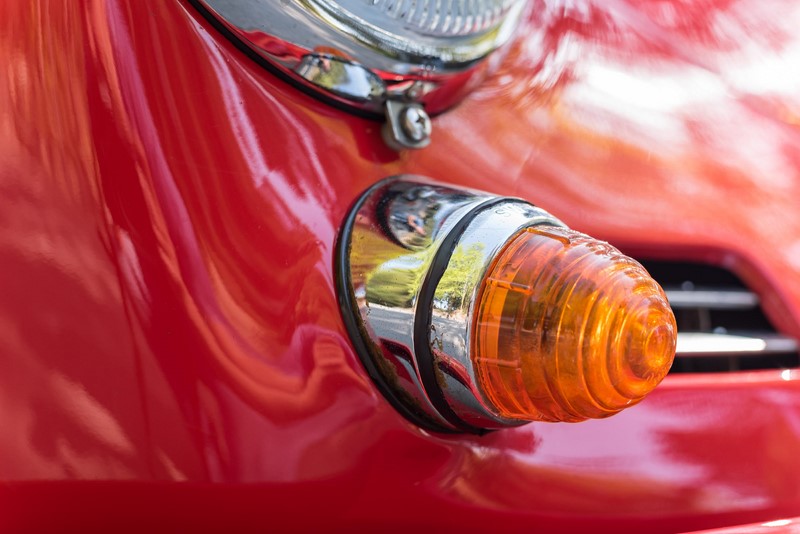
point(365, 54)
point(473, 312)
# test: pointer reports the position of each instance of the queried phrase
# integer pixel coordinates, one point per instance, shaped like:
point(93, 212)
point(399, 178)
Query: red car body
point(172, 347)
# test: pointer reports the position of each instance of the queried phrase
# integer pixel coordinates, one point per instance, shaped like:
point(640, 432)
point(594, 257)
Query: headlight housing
point(364, 54)
point(419, 32)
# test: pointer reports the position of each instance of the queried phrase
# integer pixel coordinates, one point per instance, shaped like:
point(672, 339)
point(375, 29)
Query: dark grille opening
point(721, 326)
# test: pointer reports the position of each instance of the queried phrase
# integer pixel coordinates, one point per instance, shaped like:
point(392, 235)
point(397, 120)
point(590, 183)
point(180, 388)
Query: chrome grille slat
point(721, 299)
point(725, 345)
point(721, 326)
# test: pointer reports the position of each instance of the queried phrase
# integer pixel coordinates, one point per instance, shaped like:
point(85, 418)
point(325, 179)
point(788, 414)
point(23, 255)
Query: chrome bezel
point(372, 66)
point(416, 47)
point(395, 247)
point(451, 327)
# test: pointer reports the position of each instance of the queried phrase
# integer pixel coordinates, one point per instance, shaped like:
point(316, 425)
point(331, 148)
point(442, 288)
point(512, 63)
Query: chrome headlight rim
point(459, 52)
point(299, 39)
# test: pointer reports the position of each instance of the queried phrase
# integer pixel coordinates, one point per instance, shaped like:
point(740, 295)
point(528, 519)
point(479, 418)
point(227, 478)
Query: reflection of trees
point(395, 283)
point(325, 72)
point(460, 276)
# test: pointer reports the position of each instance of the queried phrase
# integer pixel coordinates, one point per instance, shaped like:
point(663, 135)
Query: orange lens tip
point(568, 328)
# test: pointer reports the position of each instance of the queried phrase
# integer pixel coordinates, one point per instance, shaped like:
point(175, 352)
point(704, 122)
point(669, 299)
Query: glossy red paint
point(172, 349)
point(777, 526)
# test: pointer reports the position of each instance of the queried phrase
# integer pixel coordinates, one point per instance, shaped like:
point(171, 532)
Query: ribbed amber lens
point(568, 328)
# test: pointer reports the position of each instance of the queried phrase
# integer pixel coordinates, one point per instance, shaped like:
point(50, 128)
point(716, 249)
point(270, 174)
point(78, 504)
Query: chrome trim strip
point(698, 344)
point(717, 299)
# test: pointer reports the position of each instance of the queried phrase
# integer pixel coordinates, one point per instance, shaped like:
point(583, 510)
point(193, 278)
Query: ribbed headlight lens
point(448, 32)
point(436, 18)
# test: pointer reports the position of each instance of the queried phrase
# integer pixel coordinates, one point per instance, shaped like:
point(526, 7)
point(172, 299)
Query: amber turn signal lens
point(568, 328)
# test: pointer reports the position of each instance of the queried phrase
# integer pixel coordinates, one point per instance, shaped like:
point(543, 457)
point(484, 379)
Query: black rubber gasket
point(423, 316)
point(248, 50)
point(358, 335)
point(422, 319)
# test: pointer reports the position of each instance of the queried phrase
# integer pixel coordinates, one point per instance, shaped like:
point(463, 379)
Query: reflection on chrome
point(410, 259)
point(365, 54)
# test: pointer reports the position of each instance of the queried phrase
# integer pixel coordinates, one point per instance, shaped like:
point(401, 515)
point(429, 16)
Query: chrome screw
point(407, 125)
point(416, 124)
